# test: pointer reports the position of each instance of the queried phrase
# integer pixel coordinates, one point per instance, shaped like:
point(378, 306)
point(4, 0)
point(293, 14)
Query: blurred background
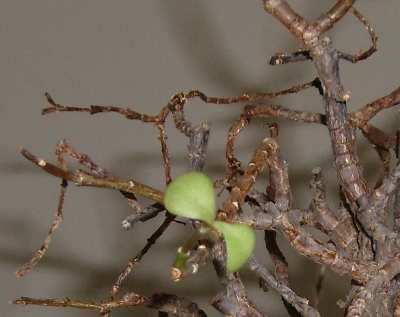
point(137, 54)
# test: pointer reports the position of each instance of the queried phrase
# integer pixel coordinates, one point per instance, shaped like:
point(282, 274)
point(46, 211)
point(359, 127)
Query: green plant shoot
point(192, 195)
point(240, 242)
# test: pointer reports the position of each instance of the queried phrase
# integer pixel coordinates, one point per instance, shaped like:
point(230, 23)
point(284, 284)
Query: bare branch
point(342, 231)
point(300, 304)
point(372, 216)
point(285, 58)
point(81, 178)
point(279, 178)
point(362, 54)
point(327, 20)
point(281, 10)
point(382, 144)
point(396, 207)
point(40, 253)
point(366, 113)
point(281, 267)
point(126, 112)
point(165, 153)
point(233, 301)
point(144, 215)
point(239, 192)
point(136, 260)
point(198, 147)
point(167, 303)
point(289, 225)
point(314, 249)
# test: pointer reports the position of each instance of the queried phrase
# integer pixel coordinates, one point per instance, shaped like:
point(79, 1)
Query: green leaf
point(191, 195)
point(240, 241)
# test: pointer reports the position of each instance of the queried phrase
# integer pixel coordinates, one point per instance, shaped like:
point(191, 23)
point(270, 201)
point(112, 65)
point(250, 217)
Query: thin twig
point(362, 54)
point(40, 253)
point(136, 260)
point(81, 178)
point(299, 303)
point(366, 113)
point(167, 303)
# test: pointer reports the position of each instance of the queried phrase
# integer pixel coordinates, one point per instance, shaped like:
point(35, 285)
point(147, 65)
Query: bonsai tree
point(360, 241)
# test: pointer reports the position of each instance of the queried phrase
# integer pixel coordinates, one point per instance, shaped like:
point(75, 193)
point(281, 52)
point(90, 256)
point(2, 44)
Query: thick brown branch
point(327, 20)
point(372, 216)
point(288, 224)
point(281, 10)
point(270, 111)
point(239, 192)
point(342, 231)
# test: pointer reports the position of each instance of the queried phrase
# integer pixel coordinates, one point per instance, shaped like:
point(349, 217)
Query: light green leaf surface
point(240, 242)
point(191, 195)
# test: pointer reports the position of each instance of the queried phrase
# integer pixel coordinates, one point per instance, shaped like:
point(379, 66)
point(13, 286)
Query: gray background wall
point(137, 54)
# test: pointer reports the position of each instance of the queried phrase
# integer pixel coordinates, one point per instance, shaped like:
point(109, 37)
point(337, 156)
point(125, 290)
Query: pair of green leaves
point(192, 195)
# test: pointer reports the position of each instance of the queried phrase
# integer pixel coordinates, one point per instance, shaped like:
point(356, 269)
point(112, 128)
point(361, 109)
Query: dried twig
point(81, 178)
point(167, 303)
point(40, 253)
point(300, 304)
point(136, 260)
